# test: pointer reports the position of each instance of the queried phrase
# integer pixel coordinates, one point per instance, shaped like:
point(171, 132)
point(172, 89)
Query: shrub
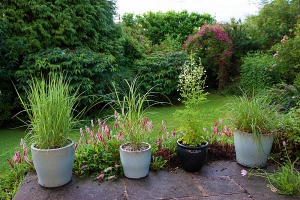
point(258, 71)
point(290, 133)
point(160, 70)
point(214, 47)
point(283, 95)
point(86, 70)
point(287, 55)
point(97, 152)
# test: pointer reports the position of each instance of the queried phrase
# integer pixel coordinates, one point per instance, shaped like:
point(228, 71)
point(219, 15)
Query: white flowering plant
point(191, 87)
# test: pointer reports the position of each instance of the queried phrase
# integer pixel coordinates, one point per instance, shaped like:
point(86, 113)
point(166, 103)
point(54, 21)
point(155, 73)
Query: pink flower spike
point(100, 177)
point(83, 167)
point(284, 143)
point(107, 169)
point(111, 177)
point(25, 155)
point(22, 143)
point(220, 121)
point(244, 172)
point(17, 157)
point(92, 123)
point(174, 132)
point(81, 132)
point(273, 189)
point(76, 145)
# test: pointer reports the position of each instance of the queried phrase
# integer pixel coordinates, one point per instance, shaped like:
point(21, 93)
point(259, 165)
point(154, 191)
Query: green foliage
point(130, 106)
point(191, 87)
point(10, 183)
point(160, 70)
point(157, 163)
point(50, 106)
point(297, 81)
point(214, 47)
point(192, 135)
point(290, 132)
point(285, 180)
point(20, 165)
point(45, 24)
point(178, 25)
point(242, 44)
point(253, 114)
point(283, 95)
point(258, 71)
point(28, 28)
point(97, 153)
point(274, 20)
point(87, 71)
point(8, 61)
point(287, 55)
point(219, 134)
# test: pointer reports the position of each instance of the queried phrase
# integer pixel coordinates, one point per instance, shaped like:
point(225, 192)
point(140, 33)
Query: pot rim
point(56, 149)
point(121, 147)
point(262, 134)
point(192, 147)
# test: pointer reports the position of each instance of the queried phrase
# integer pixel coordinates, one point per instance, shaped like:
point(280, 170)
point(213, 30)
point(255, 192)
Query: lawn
point(212, 110)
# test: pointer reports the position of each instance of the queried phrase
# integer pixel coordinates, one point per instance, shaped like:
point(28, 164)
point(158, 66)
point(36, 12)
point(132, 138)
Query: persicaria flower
point(111, 177)
point(26, 156)
point(83, 167)
point(284, 143)
point(17, 157)
point(100, 177)
point(107, 169)
point(244, 172)
point(220, 121)
point(76, 145)
point(174, 132)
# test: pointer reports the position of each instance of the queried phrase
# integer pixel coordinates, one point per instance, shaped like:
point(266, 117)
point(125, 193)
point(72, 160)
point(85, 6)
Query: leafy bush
point(191, 87)
point(86, 70)
point(160, 70)
point(214, 47)
point(284, 180)
point(97, 152)
point(8, 61)
point(178, 25)
point(275, 19)
point(290, 133)
point(287, 55)
point(20, 165)
point(64, 24)
point(258, 71)
point(283, 95)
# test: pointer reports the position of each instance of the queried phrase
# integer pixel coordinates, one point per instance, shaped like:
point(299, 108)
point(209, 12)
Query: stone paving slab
point(217, 180)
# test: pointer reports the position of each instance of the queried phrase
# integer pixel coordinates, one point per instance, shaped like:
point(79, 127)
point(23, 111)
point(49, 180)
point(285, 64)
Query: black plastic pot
point(192, 159)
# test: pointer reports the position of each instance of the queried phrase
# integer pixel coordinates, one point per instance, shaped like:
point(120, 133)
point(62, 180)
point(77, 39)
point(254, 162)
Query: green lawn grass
point(212, 110)
point(9, 143)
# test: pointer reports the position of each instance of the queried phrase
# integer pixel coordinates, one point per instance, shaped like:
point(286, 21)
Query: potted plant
point(255, 122)
point(192, 147)
point(50, 108)
point(130, 106)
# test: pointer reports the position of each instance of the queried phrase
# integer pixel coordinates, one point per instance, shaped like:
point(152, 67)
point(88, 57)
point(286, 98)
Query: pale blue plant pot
point(248, 152)
point(135, 164)
point(54, 166)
